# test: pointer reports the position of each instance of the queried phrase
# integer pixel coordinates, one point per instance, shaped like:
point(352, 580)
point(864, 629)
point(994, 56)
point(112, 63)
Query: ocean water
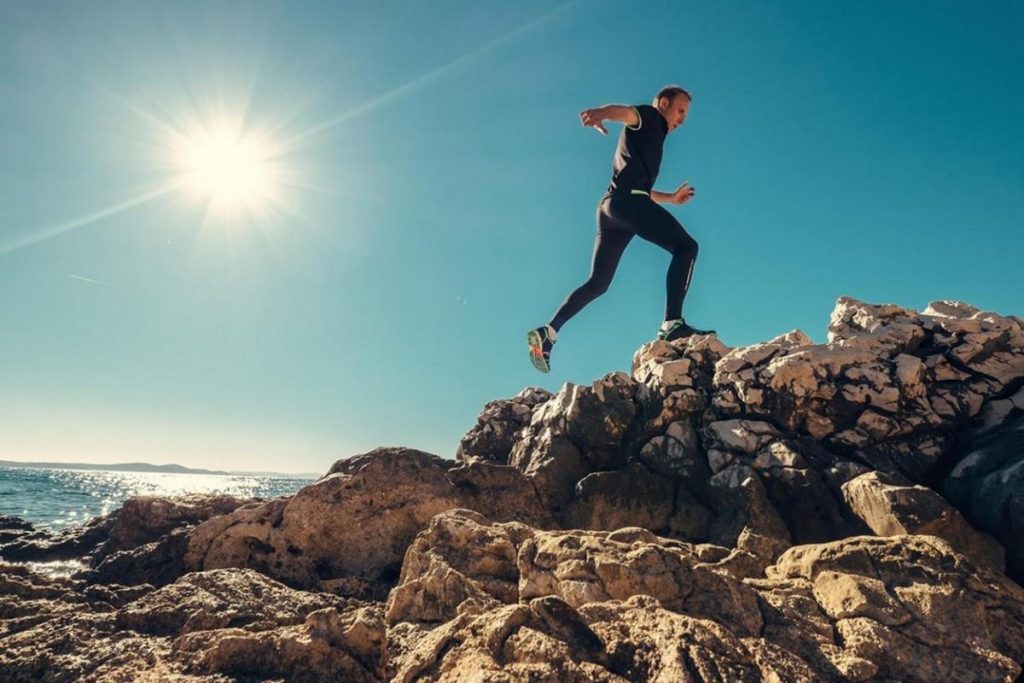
point(58, 498)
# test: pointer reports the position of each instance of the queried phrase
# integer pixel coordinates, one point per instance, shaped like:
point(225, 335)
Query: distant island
point(145, 467)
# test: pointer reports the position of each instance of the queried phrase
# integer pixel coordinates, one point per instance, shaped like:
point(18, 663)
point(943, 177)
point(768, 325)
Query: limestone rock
point(987, 485)
point(494, 434)
point(632, 496)
point(579, 430)
point(910, 605)
point(892, 509)
point(460, 556)
point(358, 521)
point(678, 375)
point(581, 567)
point(145, 519)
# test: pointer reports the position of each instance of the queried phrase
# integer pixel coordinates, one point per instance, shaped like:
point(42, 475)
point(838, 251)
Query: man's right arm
point(610, 112)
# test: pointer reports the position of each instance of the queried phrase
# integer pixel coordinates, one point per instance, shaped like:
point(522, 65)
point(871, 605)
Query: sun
point(232, 169)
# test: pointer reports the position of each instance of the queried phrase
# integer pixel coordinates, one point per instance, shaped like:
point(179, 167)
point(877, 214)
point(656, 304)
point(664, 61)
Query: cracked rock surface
point(785, 511)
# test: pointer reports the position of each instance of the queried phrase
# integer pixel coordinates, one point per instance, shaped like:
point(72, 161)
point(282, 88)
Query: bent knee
point(687, 245)
point(597, 286)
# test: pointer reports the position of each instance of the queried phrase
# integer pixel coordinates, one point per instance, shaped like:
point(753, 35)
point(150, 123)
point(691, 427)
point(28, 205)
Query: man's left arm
point(683, 194)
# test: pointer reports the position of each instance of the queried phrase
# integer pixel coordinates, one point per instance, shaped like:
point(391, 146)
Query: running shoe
point(540, 348)
point(681, 330)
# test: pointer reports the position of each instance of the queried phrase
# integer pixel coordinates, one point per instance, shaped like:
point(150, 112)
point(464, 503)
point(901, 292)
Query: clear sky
point(416, 191)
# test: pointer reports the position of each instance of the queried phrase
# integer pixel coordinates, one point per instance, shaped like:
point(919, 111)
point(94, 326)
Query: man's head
point(673, 103)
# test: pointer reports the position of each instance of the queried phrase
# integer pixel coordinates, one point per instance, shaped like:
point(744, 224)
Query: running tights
point(619, 218)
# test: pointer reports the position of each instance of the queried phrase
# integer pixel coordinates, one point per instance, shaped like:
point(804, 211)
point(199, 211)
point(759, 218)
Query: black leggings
point(619, 218)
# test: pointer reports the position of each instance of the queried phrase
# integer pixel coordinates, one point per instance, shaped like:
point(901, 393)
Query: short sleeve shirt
point(638, 155)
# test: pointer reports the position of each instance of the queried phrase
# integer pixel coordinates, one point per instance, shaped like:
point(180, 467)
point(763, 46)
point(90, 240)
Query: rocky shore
point(786, 511)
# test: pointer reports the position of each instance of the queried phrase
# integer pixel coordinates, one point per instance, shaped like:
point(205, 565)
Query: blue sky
point(435, 199)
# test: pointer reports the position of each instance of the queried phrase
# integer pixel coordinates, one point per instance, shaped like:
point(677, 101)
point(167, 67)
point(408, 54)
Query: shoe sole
point(537, 351)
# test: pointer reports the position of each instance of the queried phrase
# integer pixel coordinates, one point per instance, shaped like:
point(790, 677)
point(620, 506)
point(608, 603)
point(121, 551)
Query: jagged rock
point(745, 519)
point(890, 384)
point(677, 454)
point(348, 531)
point(494, 435)
point(145, 519)
point(330, 645)
point(890, 508)
point(988, 487)
point(909, 607)
point(221, 598)
point(552, 463)
point(501, 492)
point(158, 563)
point(41, 545)
point(581, 567)
point(679, 376)
point(579, 430)
point(727, 441)
point(633, 496)
point(514, 642)
point(461, 556)
point(355, 521)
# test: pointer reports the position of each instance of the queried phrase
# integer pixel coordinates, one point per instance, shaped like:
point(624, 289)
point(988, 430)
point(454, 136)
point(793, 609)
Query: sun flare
point(232, 169)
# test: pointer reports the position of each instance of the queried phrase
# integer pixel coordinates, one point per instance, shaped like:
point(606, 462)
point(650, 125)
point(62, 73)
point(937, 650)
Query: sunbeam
point(428, 77)
point(49, 233)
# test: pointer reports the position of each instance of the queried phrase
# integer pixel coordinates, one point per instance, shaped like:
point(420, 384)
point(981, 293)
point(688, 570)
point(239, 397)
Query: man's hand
point(683, 193)
point(592, 118)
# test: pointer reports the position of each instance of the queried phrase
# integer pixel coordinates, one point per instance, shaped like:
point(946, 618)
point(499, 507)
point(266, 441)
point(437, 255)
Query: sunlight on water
point(57, 498)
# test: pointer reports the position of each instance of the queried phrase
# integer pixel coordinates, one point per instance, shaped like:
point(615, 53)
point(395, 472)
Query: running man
point(630, 207)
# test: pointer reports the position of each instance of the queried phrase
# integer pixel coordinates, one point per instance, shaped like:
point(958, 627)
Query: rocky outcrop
point(206, 626)
point(347, 533)
point(781, 511)
point(628, 605)
point(892, 509)
point(987, 483)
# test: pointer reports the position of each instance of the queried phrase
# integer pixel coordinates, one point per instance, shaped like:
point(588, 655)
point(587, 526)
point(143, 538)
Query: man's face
point(674, 110)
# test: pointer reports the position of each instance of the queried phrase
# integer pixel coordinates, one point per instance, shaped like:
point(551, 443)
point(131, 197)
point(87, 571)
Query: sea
point(55, 498)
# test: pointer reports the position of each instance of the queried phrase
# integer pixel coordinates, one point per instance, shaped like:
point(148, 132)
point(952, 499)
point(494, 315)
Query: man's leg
point(608, 248)
point(655, 224)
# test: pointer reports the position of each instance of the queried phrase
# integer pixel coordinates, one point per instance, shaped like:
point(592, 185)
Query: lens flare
point(232, 169)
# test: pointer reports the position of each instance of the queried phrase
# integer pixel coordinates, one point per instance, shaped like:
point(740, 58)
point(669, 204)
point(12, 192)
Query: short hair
point(670, 91)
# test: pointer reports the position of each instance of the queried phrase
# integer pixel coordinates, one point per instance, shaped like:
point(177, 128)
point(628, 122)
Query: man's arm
point(683, 194)
point(610, 112)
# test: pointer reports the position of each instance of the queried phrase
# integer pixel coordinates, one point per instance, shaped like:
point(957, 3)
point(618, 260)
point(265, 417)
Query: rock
point(375, 503)
point(460, 556)
point(158, 563)
point(145, 519)
point(633, 496)
point(905, 589)
point(492, 438)
point(892, 509)
point(45, 546)
point(330, 645)
point(552, 463)
point(581, 567)
point(678, 375)
point(677, 454)
point(987, 485)
point(219, 599)
point(890, 384)
point(500, 492)
point(744, 518)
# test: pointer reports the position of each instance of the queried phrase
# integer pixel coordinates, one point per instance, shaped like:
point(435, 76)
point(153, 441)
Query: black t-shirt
point(638, 155)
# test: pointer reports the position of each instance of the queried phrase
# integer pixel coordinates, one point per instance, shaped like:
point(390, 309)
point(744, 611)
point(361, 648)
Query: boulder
point(891, 508)
point(987, 485)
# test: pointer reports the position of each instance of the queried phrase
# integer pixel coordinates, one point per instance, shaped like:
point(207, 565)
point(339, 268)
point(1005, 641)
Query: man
point(630, 207)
